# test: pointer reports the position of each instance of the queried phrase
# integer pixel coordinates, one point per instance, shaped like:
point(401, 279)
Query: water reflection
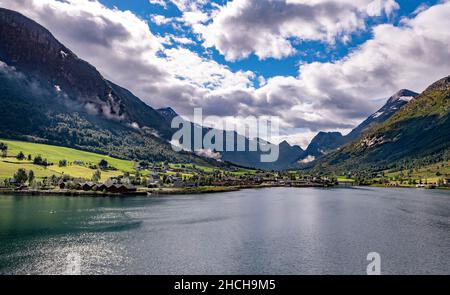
point(270, 231)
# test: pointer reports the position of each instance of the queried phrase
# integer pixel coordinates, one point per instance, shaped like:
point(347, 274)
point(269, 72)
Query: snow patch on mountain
point(377, 114)
point(406, 98)
point(63, 54)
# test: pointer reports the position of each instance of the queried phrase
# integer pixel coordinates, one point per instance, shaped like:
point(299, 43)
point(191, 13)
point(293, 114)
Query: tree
point(63, 163)
point(20, 156)
point(30, 157)
point(103, 164)
point(21, 176)
point(144, 165)
point(97, 176)
point(6, 183)
point(31, 176)
point(38, 160)
point(4, 149)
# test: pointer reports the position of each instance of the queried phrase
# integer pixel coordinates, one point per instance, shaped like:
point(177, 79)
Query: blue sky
point(308, 51)
point(319, 65)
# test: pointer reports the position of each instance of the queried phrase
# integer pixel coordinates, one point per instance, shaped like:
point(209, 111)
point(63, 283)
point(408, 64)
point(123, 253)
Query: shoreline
point(176, 191)
point(147, 192)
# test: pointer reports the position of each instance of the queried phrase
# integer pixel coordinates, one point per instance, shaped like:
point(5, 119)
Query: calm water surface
point(269, 231)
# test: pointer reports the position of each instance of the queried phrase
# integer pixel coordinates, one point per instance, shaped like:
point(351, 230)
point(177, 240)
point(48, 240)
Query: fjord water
point(267, 231)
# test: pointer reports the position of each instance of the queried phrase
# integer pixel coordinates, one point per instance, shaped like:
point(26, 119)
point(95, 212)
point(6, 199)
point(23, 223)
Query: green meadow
point(53, 154)
point(431, 173)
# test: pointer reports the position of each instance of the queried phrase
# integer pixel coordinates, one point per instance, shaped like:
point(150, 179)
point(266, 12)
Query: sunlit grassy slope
point(9, 165)
point(430, 173)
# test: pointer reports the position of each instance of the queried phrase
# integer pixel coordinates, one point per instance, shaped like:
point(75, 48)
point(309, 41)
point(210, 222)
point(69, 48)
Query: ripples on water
point(269, 231)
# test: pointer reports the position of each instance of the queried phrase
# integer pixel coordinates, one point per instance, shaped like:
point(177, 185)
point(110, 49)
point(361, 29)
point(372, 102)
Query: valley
point(62, 109)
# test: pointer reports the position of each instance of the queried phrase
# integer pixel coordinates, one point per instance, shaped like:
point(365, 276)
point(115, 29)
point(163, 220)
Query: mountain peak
point(403, 95)
point(285, 144)
point(168, 113)
point(167, 110)
point(33, 51)
point(442, 84)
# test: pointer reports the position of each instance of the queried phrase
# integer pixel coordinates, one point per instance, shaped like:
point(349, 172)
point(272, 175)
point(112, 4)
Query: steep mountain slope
point(325, 143)
point(49, 95)
point(167, 113)
point(393, 105)
point(287, 155)
point(31, 49)
point(419, 129)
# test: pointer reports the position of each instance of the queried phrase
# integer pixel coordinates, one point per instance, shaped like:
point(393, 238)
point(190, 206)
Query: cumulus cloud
point(123, 48)
point(378, 7)
point(338, 95)
point(268, 27)
point(162, 3)
point(191, 10)
point(207, 153)
point(9, 71)
point(160, 19)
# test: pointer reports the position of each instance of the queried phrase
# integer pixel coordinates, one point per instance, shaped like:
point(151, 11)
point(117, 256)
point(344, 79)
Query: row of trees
point(21, 176)
point(38, 160)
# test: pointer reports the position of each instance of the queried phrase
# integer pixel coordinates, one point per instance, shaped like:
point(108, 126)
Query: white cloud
point(170, 39)
point(380, 7)
point(162, 3)
point(307, 160)
point(160, 19)
point(207, 153)
point(188, 5)
point(124, 49)
point(268, 27)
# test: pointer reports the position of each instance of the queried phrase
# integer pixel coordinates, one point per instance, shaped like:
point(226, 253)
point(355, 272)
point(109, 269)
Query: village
point(23, 170)
point(158, 178)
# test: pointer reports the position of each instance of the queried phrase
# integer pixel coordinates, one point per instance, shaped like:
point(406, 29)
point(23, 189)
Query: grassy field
point(8, 169)
point(56, 153)
point(244, 171)
point(9, 165)
point(345, 179)
point(428, 173)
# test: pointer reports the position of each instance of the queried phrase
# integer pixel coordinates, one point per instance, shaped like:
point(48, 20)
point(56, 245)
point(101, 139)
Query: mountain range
point(415, 134)
point(326, 142)
point(51, 95)
point(48, 94)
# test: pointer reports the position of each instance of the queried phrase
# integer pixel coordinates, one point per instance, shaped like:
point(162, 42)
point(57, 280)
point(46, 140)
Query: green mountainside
point(419, 132)
point(49, 95)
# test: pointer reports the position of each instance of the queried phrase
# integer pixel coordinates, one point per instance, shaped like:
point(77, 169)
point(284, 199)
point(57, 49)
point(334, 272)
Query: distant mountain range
point(287, 154)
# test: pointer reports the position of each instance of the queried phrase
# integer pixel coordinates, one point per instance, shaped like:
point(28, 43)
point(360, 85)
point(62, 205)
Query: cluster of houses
point(104, 187)
point(263, 179)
